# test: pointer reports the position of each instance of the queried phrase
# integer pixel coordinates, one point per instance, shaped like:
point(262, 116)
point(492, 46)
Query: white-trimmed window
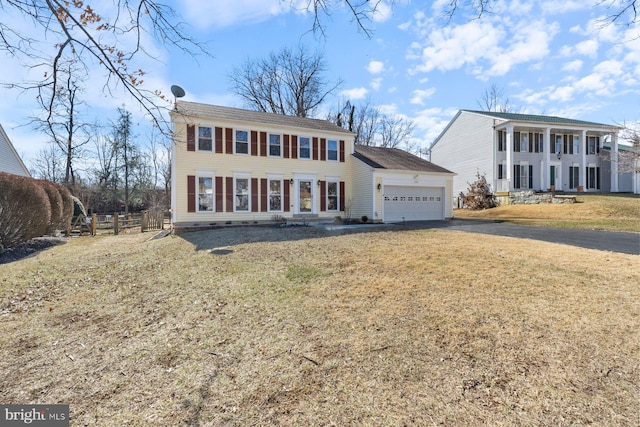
point(558, 144)
point(242, 142)
point(205, 138)
point(333, 189)
point(576, 144)
point(502, 140)
point(205, 193)
point(574, 176)
point(523, 176)
point(304, 147)
point(241, 194)
point(524, 142)
point(275, 195)
point(275, 145)
point(332, 150)
point(593, 145)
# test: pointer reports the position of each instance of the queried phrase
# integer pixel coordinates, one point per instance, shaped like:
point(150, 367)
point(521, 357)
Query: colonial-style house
point(10, 161)
point(523, 151)
point(235, 166)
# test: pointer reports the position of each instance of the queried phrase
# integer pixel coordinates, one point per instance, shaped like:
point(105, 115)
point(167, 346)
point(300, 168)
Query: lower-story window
point(523, 176)
point(242, 195)
point(593, 178)
point(275, 195)
point(332, 196)
point(205, 194)
point(574, 176)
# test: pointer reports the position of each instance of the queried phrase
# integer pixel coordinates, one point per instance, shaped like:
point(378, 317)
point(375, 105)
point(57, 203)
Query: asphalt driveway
point(614, 241)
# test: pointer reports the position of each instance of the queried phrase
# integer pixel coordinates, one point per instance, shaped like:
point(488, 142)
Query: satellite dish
point(177, 91)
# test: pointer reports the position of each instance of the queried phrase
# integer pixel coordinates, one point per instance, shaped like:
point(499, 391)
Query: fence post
point(94, 224)
point(144, 221)
point(115, 224)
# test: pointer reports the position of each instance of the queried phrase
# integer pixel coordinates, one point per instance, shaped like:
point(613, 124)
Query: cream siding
point(362, 200)
point(229, 165)
point(466, 148)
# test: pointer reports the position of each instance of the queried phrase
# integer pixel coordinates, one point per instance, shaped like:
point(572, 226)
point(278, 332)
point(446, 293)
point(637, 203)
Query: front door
point(552, 176)
point(304, 196)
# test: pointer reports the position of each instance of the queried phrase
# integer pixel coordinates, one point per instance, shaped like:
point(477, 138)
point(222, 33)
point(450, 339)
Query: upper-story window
point(502, 140)
point(205, 139)
point(304, 147)
point(242, 142)
point(275, 145)
point(558, 144)
point(524, 142)
point(576, 144)
point(592, 145)
point(332, 150)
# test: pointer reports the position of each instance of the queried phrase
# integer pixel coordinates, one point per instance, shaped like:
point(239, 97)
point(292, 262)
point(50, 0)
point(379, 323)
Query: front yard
point(613, 212)
point(296, 326)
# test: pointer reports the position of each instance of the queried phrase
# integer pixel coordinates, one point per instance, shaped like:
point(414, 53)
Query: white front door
point(305, 189)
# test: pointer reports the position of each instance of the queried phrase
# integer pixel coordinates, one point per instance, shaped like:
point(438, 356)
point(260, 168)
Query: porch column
point(614, 162)
point(582, 174)
point(509, 166)
point(546, 159)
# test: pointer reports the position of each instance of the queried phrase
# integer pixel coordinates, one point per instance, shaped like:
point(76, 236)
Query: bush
point(479, 195)
point(55, 202)
point(25, 211)
point(364, 218)
point(67, 208)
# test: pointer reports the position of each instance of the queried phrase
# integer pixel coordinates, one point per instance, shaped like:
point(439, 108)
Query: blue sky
point(549, 57)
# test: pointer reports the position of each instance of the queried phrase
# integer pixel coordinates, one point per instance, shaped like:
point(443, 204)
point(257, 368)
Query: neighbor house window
point(205, 139)
point(332, 150)
point(576, 144)
point(502, 140)
point(592, 145)
point(242, 195)
point(275, 195)
point(523, 176)
point(593, 178)
point(242, 142)
point(524, 142)
point(501, 171)
point(332, 196)
point(558, 144)
point(574, 176)
point(539, 143)
point(304, 148)
point(205, 194)
point(274, 145)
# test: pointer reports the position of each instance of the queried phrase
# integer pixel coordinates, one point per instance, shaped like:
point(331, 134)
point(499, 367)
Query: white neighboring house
point(10, 161)
point(519, 152)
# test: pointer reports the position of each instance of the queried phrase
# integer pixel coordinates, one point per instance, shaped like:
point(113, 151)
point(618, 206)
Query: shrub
point(67, 208)
point(25, 211)
point(479, 195)
point(364, 218)
point(55, 202)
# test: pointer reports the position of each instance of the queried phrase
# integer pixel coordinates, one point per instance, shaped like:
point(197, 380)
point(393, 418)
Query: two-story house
point(523, 151)
point(235, 166)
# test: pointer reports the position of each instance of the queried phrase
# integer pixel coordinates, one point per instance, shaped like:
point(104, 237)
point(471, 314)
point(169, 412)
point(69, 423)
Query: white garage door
point(413, 203)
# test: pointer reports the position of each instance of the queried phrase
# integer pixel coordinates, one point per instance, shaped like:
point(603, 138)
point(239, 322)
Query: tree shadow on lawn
point(30, 248)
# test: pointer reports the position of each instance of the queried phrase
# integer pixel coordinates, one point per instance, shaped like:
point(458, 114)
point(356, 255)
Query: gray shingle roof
point(537, 118)
point(194, 109)
point(394, 159)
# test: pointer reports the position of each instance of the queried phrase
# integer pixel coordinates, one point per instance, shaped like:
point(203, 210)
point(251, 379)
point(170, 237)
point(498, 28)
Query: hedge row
point(31, 208)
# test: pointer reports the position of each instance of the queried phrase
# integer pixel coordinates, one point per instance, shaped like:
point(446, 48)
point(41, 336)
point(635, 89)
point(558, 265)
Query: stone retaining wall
point(533, 198)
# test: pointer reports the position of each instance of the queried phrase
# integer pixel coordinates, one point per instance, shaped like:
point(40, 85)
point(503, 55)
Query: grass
point(266, 326)
point(614, 212)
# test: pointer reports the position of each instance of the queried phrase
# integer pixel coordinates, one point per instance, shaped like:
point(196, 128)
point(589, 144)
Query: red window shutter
point(263, 194)
point(315, 148)
point(219, 194)
point(294, 147)
point(228, 140)
point(229, 193)
point(263, 144)
point(323, 196)
point(254, 194)
point(218, 133)
point(342, 150)
point(191, 138)
point(323, 149)
point(341, 196)
point(286, 196)
point(285, 146)
point(191, 193)
point(254, 143)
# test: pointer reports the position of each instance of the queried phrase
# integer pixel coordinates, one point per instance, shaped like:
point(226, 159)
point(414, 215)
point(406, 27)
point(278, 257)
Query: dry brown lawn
point(615, 212)
point(295, 326)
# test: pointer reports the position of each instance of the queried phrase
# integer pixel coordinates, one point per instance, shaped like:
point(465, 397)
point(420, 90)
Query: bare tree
point(493, 99)
point(362, 12)
point(289, 82)
point(91, 33)
point(48, 164)
point(395, 131)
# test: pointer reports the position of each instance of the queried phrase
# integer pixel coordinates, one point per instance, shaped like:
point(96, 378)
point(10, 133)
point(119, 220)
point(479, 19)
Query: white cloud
point(383, 12)
point(419, 95)
point(375, 67)
point(355, 93)
point(556, 7)
point(376, 83)
point(572, 66)
point(222, 13)
point(587, 48)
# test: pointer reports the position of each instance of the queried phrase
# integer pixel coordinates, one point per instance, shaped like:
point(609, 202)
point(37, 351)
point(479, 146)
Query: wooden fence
point(146, 220)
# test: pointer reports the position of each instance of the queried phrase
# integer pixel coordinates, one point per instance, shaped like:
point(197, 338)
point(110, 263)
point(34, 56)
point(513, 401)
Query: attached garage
point(403, 203)
point(391, 185)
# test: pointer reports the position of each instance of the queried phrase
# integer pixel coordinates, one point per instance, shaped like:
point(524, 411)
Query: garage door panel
point(413, 203)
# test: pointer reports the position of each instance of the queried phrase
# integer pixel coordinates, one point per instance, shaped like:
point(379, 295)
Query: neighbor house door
point(552, 176)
